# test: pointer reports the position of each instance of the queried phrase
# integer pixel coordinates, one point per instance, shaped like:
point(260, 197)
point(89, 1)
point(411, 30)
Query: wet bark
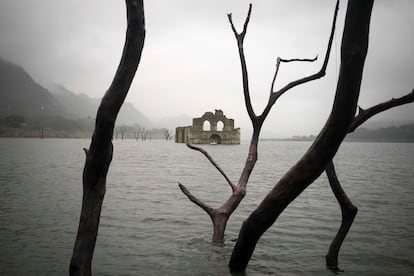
point(312, 164)
point(220, 216)
point(99, 154)
point(349, 210)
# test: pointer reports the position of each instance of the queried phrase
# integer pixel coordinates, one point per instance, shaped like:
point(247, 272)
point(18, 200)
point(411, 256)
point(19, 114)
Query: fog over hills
point(81, 105)
point(21, 95)
point(402, 133)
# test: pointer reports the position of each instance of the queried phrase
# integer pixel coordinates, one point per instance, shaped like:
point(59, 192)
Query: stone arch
point(220, 125)
point(206, 125)
point(215, 139)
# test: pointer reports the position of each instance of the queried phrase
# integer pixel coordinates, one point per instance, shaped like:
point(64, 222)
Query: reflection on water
point(148, 227)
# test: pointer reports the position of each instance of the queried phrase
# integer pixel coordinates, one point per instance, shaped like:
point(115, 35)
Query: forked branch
point(240, 39)
point(348, 210)
point(279, 60)
point(323, 149)
point(257, 121)
point(240, 36)
point(365, 114)
point(208, 156)
point(195, 200)
point(275, 95)
point(221, 215)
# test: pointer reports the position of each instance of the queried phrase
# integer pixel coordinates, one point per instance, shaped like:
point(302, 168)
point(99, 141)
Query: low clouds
point(190, 62)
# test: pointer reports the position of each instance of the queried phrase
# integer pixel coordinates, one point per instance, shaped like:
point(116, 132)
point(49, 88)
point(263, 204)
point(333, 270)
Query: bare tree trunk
point(312, 164)
point(220, 216)
point(348, 210)
point(122, 129)
point(99, 155)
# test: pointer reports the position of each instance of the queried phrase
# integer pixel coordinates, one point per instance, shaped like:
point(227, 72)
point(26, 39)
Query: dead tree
point(136, 135)
point(353, 52)
point(348, 210)
point(220, 216)
point(122, 129)
point(141, 132)
point(99, 154)
point(167, 134)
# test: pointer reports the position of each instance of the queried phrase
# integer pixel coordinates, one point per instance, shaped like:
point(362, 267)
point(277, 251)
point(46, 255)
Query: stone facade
point(209, 129)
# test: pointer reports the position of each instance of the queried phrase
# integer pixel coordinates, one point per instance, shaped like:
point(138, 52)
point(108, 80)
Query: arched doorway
point(215, 139)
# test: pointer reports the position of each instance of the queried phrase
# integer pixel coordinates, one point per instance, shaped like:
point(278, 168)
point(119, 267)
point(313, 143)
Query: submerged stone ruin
point(209, 129)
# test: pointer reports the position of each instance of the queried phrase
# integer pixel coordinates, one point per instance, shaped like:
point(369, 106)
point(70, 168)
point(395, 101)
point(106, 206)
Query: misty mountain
point(20, 94)
point(377, 124)
point(172, 122)
point(402, 133)
point(83, 106)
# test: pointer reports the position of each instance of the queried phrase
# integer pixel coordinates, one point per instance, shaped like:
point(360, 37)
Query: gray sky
point(190, 61)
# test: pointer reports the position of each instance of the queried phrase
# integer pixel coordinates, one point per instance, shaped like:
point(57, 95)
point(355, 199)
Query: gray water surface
point(148, 227)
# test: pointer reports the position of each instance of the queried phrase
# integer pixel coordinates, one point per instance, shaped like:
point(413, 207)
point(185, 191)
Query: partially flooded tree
point(122, 130)
point(167, 133)
point(141, 132)
point(220, 216)
point(136, 134)
point(353, 52)
point(348, 210)
point(99, 154)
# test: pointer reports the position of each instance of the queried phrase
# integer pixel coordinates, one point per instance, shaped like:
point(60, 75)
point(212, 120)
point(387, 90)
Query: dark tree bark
point(349, 210)
point(99, 155)
point(353, 52)
point(220, 216)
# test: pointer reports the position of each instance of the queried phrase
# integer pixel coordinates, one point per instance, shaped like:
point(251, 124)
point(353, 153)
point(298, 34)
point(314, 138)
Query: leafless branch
point(240, 36)
point(195, 200)
point(299, 59)
point(348, 210)
point(353, 50)
point(208, 156)
point(240, 39)
point(315, 76)
point(365, 114)
point(275, 95)
point(279, 60)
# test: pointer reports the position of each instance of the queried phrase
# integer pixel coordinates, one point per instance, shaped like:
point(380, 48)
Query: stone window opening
point(206, 126)
point(220, 126)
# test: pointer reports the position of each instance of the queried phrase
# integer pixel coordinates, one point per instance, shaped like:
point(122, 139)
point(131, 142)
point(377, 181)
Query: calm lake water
point(148, 227)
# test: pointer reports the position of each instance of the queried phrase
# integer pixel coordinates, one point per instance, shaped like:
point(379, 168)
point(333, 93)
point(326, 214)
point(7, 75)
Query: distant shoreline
point(10, 132)
point(50, 136)
point(346, 140)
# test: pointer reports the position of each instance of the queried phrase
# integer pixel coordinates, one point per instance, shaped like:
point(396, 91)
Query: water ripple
point(148, 227)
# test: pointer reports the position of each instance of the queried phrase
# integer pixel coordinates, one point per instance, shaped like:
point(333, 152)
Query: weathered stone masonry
point(209, 129)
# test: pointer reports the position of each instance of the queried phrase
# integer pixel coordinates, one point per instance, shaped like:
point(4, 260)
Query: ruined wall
point(210, 129)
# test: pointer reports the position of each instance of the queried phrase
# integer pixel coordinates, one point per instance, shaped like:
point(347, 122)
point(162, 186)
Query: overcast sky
point(190, 61)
